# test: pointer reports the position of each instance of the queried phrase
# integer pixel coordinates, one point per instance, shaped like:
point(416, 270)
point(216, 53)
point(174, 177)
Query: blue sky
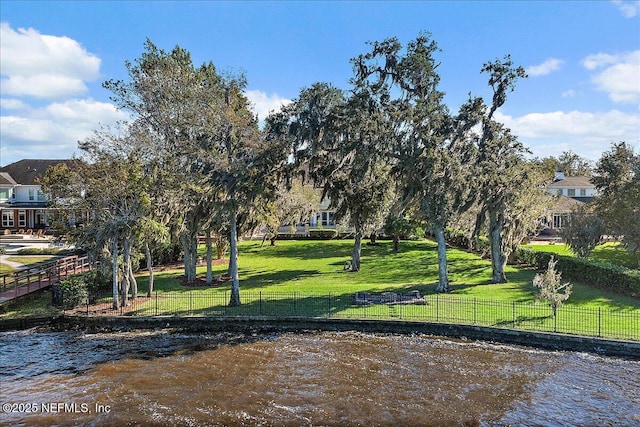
point(583, 58)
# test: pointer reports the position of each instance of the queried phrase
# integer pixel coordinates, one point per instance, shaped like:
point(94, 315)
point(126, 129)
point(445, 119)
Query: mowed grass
point(612, 252)
point(317, 267)
point(306, 278)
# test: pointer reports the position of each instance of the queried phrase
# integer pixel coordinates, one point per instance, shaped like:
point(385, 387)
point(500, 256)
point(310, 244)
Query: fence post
point(513, 313)
point(260, 305)
point(329, 311)
point(475, 310)
point(156, 302)
point(190, 302)
point(599, 323)
point(437, 312)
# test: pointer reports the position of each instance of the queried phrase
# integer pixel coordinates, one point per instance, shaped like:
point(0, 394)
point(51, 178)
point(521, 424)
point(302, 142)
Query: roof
point(29, 171)
point(572, 181)
point(565, 204)
point(5, 179)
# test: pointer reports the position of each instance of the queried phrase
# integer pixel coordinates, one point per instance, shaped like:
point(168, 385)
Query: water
point(316, 379)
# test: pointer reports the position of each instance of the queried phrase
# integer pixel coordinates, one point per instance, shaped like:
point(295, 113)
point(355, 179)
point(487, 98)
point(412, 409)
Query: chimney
point(559, 175)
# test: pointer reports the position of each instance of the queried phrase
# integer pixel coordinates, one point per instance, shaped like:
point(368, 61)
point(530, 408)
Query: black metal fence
point(596, 322)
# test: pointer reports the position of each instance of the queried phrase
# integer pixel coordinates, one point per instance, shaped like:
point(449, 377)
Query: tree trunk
point(373, 237)
point(190, 248)
point(443, 276)
point(132, 278)
point(220, 246)
point(233, 262)
point(498, 258)
point(357, 249)
point(147, 252)
point(125, 271)
point(209, 245)
point(114, 272)
point(396, 243)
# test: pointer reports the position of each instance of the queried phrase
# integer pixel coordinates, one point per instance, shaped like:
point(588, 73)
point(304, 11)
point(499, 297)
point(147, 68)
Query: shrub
point(325, 234)
point(51, 251)
point(97, 281)
point(604, 275)
point(70, 292)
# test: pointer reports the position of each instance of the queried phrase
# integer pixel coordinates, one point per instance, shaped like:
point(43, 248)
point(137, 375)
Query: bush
point(325, 234)
point(70, 292)
point(460, 240)
point(73, 291)
point(604, 275)
point(51, 251)
point(97, 281)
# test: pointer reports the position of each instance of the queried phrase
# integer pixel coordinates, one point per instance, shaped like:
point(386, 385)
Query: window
point(571, 192)
point(559, 220)
point(4, 193)
point(559, 191)
point(41, 196)
point(32, 194)
point(583, 192)
point(7, 218)
point(22, 219)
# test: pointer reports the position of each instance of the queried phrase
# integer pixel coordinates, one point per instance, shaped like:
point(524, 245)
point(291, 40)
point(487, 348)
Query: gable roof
point(572, 181)
point(5, 179)
point(29, 171)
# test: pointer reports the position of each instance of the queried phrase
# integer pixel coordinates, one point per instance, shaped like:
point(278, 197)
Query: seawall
point(542, 340)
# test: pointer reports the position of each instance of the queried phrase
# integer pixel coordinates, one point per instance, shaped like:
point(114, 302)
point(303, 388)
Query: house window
point(583, 192)
point(7, 218)
point(559, 220)
point(571, 192)
point(22, 219)
point(32, 194)
point(559, 192)
point(41, 196)
point(4, 193)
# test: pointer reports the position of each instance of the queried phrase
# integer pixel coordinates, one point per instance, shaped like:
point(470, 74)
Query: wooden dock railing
point(32, 279)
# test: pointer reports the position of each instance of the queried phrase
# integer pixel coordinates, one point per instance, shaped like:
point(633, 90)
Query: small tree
point(582, 232)
point(550, 288)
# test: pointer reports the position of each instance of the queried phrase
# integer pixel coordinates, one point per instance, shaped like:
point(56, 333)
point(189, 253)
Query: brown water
point(315, 379)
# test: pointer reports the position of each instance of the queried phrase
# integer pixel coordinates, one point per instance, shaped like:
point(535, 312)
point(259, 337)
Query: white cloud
point(53, 131)
point(628, 8)
point(264, 104)
point(44, 66)
point(588, 134)
point(569, 93)
point(618, 75)
point(547, 67)
point(12, 104)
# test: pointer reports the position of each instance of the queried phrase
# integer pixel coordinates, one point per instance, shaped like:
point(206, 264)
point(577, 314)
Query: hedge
point(75, 290)
point(604, 275)
point(51, 251)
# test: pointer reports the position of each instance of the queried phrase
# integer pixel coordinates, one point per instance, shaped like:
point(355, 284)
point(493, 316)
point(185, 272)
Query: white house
point(572, 191)
point(23, 205)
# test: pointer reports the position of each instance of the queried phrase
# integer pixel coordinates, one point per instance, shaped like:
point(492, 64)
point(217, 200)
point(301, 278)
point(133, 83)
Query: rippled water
point(314, 379)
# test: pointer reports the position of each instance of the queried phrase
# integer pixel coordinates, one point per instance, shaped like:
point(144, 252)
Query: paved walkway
point(4, 259)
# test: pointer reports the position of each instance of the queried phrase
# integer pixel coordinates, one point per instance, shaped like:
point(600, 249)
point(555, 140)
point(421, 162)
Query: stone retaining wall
point(542, 340)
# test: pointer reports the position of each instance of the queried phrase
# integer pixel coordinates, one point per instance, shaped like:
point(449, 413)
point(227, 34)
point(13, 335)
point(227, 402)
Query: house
point(571, 192)
point(23, 205)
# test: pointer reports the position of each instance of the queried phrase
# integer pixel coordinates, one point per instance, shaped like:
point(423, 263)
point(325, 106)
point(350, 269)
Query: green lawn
point(307, 278)
point(317, 266)
point(611, 252)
